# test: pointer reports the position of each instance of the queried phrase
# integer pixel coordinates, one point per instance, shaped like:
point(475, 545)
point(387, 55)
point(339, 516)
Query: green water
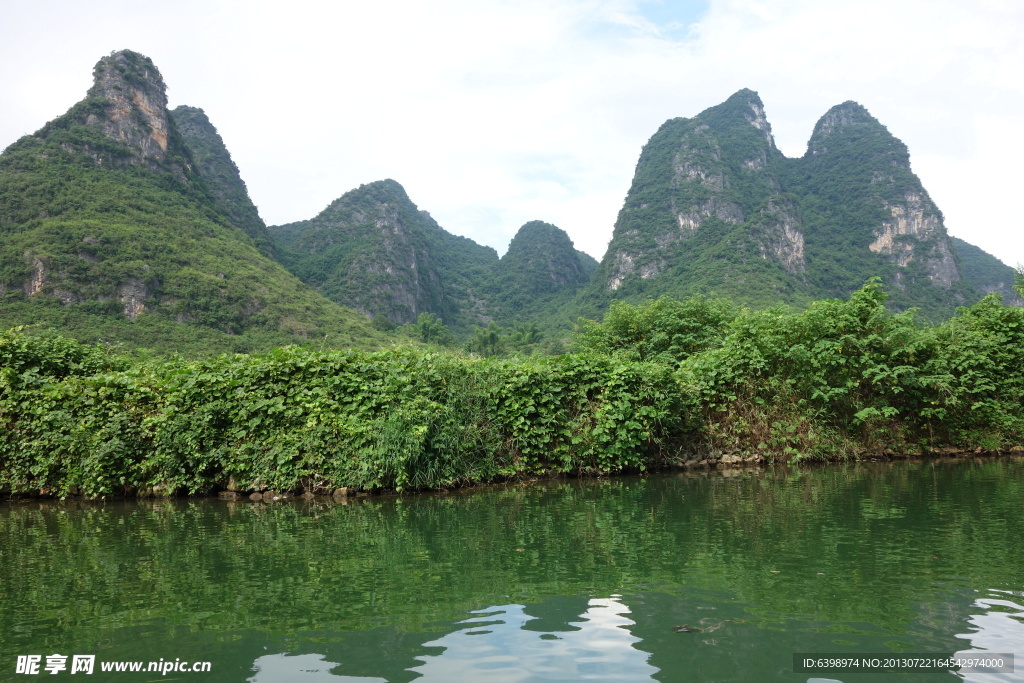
point(567, 580)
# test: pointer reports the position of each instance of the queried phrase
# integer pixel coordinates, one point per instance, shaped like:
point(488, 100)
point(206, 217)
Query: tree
point(430, 329)
point(487, 341)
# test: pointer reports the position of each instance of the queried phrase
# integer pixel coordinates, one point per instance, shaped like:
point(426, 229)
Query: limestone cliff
point(716, 208)
point(859, 176)
point(109, 227)
point(707, 203)
point(374, 250)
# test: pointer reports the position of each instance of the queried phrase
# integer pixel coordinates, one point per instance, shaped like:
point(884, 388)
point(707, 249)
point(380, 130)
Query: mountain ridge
point(109, 227)
point(716, 208)
point(373, 249)
point(127, 220)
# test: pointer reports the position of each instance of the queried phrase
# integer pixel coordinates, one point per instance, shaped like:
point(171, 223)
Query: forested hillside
point(113, 227)
point(716, 208)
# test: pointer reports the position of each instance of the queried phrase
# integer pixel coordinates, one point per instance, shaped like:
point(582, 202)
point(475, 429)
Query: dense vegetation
point(374, 250)
point(984, 271)
point(220, 175)
point(125, 240)
point(654, 385)
point(538, 276)
point(715, 208)
point(119, 237)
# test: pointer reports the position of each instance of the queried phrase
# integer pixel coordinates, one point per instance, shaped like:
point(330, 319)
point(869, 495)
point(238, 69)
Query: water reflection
point(861, 558)
point(497, 646)
point(997, 628)
point(502, 644)
point(302, 669)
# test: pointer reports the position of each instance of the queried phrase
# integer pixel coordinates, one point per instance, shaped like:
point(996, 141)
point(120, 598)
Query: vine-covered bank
point(657, 385)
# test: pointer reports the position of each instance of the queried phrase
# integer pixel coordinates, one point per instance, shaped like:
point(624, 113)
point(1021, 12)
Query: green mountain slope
point(984, 271)
point(220, 175)
point(109, 229)
point(867, 214)
point(706, 213)
point(715, 208)
point(374, 250)
point(538, 277)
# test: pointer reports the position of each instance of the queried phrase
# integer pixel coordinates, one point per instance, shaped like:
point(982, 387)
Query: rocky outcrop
point(129, 101)
point(757, 119)
point(915, 227)
point(782, 237)
point(695, 215)
point(133, 295)
point(37, 279)
point(372, 249)
point(715, 207)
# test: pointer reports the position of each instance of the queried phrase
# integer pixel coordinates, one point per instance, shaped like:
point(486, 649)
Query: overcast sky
point(491, 114)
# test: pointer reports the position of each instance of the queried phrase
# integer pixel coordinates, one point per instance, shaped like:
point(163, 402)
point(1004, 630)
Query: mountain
point(374, 250)
point(539, 274)
point(715, 207)
point(210, 157)
point(985, 272)
point(121, 221)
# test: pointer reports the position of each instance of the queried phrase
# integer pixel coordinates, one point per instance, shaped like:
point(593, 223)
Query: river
point(686, 576)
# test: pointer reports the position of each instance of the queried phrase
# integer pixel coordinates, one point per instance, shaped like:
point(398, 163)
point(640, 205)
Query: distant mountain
point(985, 272)
point(374, 250)
point(716, 208)
point(123, 222)
point(540, 273)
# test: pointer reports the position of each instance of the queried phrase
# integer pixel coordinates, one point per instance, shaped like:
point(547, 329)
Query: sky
point(495, 113)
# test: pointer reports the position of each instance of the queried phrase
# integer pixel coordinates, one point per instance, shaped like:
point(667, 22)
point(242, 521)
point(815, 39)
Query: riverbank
point(841, 380)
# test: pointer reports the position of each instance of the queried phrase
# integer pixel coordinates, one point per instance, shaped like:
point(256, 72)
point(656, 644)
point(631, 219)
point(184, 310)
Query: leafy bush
point(302, 419)
point(666, 329)
point(661, 383)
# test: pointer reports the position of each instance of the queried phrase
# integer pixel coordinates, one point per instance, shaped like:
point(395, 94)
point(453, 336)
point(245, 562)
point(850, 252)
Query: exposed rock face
point(37, 279)
point(133, 99)
point(783, 237)
point(712, 196)
point(133, 295)
point(713, 174)
point(914, 221)
point(757, 119)
point(374, 251)
point(692, 217)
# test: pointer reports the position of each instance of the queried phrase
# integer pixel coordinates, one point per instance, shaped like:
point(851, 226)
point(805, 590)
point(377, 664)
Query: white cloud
point(495, 113)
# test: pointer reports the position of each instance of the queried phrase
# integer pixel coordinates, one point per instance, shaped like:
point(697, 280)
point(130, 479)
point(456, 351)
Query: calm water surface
point(558, 581)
